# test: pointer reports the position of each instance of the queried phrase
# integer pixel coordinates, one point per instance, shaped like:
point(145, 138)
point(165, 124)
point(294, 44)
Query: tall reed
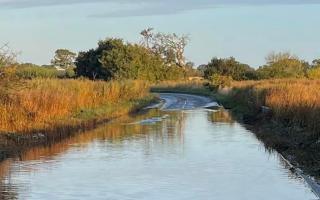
point(39, 103)
point(295, 102)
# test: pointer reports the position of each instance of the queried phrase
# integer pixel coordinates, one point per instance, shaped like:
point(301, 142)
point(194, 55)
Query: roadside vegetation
point(42, 104)
point(95, 85)
point(279, 100)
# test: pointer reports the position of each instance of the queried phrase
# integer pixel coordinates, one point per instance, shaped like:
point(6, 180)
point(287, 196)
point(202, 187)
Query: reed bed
point(295, 102)
point(43, 103)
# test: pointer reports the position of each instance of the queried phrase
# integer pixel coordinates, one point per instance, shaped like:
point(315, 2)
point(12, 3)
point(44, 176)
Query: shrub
point(31, 71)
point(115, 60)
point(218, 81)
point(314, 73)
point(283, 65)
point(228, 67)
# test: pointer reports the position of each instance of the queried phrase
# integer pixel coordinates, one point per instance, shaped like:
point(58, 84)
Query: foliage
point(314, 73)
point(314, 70)
point(70, 72)
point(32, 71)
point(170, 47)
point(7, 62)
point(228, 67)
point(45, 103)
point(218, 81)
point(282, 65)
point(7, 56)
point(316, 63)
point(64, 58)
point(293, 102)
point(114, 59)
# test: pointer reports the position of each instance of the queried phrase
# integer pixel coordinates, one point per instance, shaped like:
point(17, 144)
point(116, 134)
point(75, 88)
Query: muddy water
point(186, 154)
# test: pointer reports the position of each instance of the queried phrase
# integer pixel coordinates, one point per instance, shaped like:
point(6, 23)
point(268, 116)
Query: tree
point(7, 56)
point(115, 59)
point(228, 67)
point(147, 37)
point(7, 63)
point(64, 58)
point(190, 65)
point(316, 63)
point(170, 47)
point(314, 70)
point(201, 69)
point(283, 65)
point(274, 57)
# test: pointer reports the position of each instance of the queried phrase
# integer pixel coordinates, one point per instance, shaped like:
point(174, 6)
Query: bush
point(283, 65)
point(218, 81)
point(115, 60)
point(70, 72)
point(228, 67)
point(314, 73)
point(31, 71)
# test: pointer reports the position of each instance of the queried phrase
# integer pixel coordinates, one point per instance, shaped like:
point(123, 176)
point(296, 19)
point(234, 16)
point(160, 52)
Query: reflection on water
point(185, 155)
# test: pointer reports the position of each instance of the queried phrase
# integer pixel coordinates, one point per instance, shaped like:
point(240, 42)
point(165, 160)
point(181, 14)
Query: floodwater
point(186, 154)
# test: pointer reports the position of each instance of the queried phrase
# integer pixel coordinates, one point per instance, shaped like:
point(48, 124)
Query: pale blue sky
point(245, 29)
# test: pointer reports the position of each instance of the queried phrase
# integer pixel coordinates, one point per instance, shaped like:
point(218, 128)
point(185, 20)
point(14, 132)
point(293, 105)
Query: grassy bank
point(42, 104)
point(284, 114)
point(41, 111)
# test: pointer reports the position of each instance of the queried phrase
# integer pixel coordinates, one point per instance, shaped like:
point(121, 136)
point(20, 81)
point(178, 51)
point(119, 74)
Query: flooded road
point(181, 151)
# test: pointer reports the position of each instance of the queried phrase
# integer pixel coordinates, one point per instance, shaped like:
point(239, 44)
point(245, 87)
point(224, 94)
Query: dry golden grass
point(294, 101)
point(41, 103)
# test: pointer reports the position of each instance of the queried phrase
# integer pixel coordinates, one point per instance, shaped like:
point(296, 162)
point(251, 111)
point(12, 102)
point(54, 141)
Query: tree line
point(278, 65)
point(158, 56)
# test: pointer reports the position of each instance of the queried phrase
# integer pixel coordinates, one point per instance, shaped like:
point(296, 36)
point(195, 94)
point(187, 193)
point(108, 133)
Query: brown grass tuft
point(40, 103)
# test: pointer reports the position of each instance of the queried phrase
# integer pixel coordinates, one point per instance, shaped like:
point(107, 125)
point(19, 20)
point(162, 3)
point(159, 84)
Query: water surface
point(186, 154)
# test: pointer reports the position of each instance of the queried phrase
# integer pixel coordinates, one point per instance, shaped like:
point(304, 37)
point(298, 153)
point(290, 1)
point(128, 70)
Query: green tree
point(314, 73)
point(64, 58)
point(316, 63)
point(314, 70)
point(228, 67)
point(283, 65)
point(114, 59)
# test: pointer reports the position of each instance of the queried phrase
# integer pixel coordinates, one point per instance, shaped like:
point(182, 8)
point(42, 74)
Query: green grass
point(186, 89)
point(109, 109)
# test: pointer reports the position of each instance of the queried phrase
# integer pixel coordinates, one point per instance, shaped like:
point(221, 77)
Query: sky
point(245, 29)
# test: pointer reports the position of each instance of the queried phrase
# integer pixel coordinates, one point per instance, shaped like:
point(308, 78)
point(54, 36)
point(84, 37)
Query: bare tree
point(274, 57)
point(170, 46)
point(7, 56)
point(147, 37)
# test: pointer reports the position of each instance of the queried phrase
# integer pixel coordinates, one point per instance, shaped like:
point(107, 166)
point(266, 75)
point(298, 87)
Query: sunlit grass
point(296, 102)
point(43, 103)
